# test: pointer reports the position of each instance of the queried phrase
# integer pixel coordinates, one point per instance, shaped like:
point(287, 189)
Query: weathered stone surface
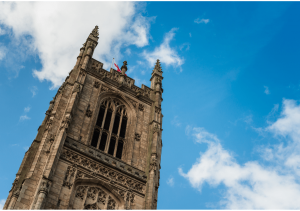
point(69, 166)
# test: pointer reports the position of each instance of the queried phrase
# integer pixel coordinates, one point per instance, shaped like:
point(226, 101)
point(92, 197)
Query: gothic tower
point(99, 146)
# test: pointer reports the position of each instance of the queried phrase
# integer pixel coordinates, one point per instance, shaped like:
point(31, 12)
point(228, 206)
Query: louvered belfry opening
point(110, 129)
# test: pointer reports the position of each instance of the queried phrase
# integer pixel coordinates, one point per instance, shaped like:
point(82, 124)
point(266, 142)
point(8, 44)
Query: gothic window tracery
point(110, 129)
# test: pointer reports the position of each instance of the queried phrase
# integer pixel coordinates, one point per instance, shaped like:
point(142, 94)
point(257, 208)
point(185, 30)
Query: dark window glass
point(112, 144)
point(123, 127)
point(95, 138)
point(107, 119)
point(116, 124)
point(100, 116)
point(119, 150)
point(103, 141)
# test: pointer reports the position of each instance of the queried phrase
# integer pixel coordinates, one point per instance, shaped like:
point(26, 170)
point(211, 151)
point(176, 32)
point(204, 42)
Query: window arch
point(110, 129)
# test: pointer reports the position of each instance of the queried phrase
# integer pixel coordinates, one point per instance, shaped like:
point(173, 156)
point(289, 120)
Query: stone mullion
point(99, 138)
point(113, 115)
point(119, 130)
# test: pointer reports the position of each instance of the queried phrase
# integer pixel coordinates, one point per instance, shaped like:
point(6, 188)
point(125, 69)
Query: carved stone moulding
point(102, 170)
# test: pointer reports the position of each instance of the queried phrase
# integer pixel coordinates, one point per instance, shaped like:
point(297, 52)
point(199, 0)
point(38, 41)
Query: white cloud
point(24, 117)
point(190, 34)
point(248, 119)
point(170, 181)
point(198, 20)
point(58, 42)
point(176, 122)
point(33, 90)
point(27, 109)
point(128, 51)
point(139, 82)
point(3, 51)
point(253, 185)
point(185, 46)
point(26, 148)
point(267, 91)
point(2, 31)
point(2, 202)
point(164, 52)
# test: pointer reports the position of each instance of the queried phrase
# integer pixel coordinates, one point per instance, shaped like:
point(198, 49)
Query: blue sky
point(231, 84)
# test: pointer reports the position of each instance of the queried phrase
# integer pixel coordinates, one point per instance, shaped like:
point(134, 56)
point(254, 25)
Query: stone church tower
point(99, 146)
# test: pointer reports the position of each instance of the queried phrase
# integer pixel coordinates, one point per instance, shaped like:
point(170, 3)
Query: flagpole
point(112, 63)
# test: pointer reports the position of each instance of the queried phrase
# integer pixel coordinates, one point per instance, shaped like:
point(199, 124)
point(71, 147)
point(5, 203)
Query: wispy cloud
point(24, 117)
point(164, 52)
point(176, 122)
point(245, 185)
point(170, 181)
point(27, 109)
point(184, 46)
point(3, 51)
point(254, 185)
point(190, 34)
point(128, 51)
point(267, 91)
point(198, 21)
point(2, 202)
point(33, 90)
point(139, 82)
point(248, 119)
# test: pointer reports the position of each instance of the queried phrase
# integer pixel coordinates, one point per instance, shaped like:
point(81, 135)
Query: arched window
point(110, 129)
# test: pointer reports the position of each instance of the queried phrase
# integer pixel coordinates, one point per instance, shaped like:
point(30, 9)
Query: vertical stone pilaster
point(42, 193)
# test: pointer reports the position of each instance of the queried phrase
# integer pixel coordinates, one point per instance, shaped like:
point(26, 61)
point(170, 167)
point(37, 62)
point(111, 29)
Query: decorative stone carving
point(137, 137)
point(82, 73)
point(130, 197)
point(14, 183)
point(141, 107)
point(101, 197)
point(50, 143)
point(97, 84)
point(91, 206)
point(104, 88)
point(111, 204)
point(69, 177)
point(88, 112)
point(77, 88)
point(49, 123)
point(45, 186)
point(92, 191)
point(95, 32)
point(99, 169)
point(66, 122)
point(156, 129)
point(124, 66)
point(50, 107)
point(157, 110)
point(81, 191)
point(153, 163)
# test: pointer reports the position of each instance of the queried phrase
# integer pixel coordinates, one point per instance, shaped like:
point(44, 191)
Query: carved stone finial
point(95, 32)
point(157, 66)
point(124, 67)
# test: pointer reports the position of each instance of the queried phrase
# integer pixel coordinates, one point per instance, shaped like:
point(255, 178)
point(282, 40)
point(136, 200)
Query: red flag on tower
point(114, 64)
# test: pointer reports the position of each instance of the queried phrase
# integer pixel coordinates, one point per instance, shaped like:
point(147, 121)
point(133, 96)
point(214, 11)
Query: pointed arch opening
point(110, 128)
